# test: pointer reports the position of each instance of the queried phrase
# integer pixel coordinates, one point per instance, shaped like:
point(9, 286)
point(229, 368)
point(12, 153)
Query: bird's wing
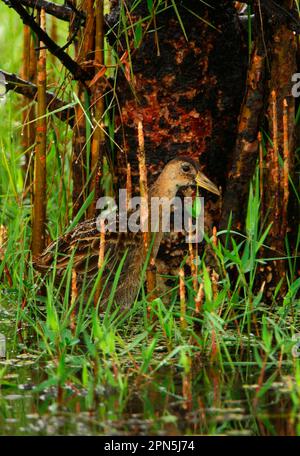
point(83, 245)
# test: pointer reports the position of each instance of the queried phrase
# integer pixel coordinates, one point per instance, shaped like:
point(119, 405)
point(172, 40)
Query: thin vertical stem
point(215, 237)
point(40, 197)
point(98, 138)
point(261, 171)
point(215, 284)
point(25, 75)
point(192, 259)
point(3, 240)
point(199, 299)
point(183, 323)
point(143, 186)
point(101, 258)
point(145, 215)
point(28, 130)
point(74, 294)
point(81, 141)
point(275, 154)
point(286, 164)
point(128, 187)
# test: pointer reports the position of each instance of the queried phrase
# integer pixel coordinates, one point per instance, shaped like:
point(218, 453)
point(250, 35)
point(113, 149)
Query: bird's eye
point(186, 168)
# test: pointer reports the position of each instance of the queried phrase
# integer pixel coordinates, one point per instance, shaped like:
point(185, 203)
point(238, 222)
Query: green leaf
point(138, 34)
point(196, 209)
point(150, 5)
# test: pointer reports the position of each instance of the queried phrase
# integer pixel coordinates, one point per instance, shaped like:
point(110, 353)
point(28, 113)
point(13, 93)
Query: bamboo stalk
point(151, 280)
point(199, 299)
point(3, 240)
point(261, 170)
point(74, 294)
point(187, 392)
point(214, 345)
point(214, 274)
point(145, 214)
point(25, 75)
point(214, 284)
point(98, 138)
point(39, 206)
point(183, 323)
point(215, 237)
point(143, 186)
point(128, 187)
point(275, 155)
point(84, 52)
point(28, 131)
point(192, 258)
point(89, 36)
point(286, 164)
point(101, 258)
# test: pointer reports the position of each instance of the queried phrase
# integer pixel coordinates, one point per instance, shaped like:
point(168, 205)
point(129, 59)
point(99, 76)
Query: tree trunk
point(187, 93)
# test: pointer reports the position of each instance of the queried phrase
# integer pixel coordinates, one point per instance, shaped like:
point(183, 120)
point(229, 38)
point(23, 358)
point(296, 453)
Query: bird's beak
point(204, 182)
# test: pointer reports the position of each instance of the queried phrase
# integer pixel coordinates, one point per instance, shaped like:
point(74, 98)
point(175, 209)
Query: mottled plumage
point(83, 242)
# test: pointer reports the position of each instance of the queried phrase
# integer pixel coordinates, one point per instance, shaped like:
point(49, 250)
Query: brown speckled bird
point(83, 242)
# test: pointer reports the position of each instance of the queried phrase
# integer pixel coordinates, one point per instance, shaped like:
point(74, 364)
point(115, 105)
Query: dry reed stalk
point(25, 75)
point(89, 30)
point(74, 295)
point(275, 155)
point(98, 137)
point(101, 258)
point(183, 323)
point(145, 213)
point(20, 325)
point(84, 51)
point(286, 163)
point(40, 197)
point(192, 259)
point(216, 262)
point(151, 282)
point(214, 345)
point(214, 284)
point(215, 237)
point(28, 130)
point(128, 187)
point(3, 240)
point(214, 275)
point(143, 186)
point(199, 299)
point(187, 393)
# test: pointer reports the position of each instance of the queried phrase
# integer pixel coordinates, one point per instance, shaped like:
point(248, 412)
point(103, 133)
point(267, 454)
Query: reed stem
point(40, 197)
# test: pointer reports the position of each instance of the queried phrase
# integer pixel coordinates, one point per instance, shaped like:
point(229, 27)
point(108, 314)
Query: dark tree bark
point(184, 73)
point(187, 94)
point(29, 90)
point(280, 109)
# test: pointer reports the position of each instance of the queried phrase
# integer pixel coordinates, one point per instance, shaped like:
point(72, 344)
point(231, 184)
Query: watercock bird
point(81, 245)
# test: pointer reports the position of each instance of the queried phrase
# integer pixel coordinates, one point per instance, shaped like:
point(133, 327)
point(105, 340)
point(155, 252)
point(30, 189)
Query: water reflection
point(209, 402)
point(205, 401)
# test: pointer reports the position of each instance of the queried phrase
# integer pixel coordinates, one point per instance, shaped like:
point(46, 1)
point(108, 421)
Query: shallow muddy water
point(207, 401)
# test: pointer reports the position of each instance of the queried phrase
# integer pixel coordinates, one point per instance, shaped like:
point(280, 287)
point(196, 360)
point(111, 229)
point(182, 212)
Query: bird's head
point(185, 172)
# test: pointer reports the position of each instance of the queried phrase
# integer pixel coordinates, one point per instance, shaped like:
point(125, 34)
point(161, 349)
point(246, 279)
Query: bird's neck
point(163, 188)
